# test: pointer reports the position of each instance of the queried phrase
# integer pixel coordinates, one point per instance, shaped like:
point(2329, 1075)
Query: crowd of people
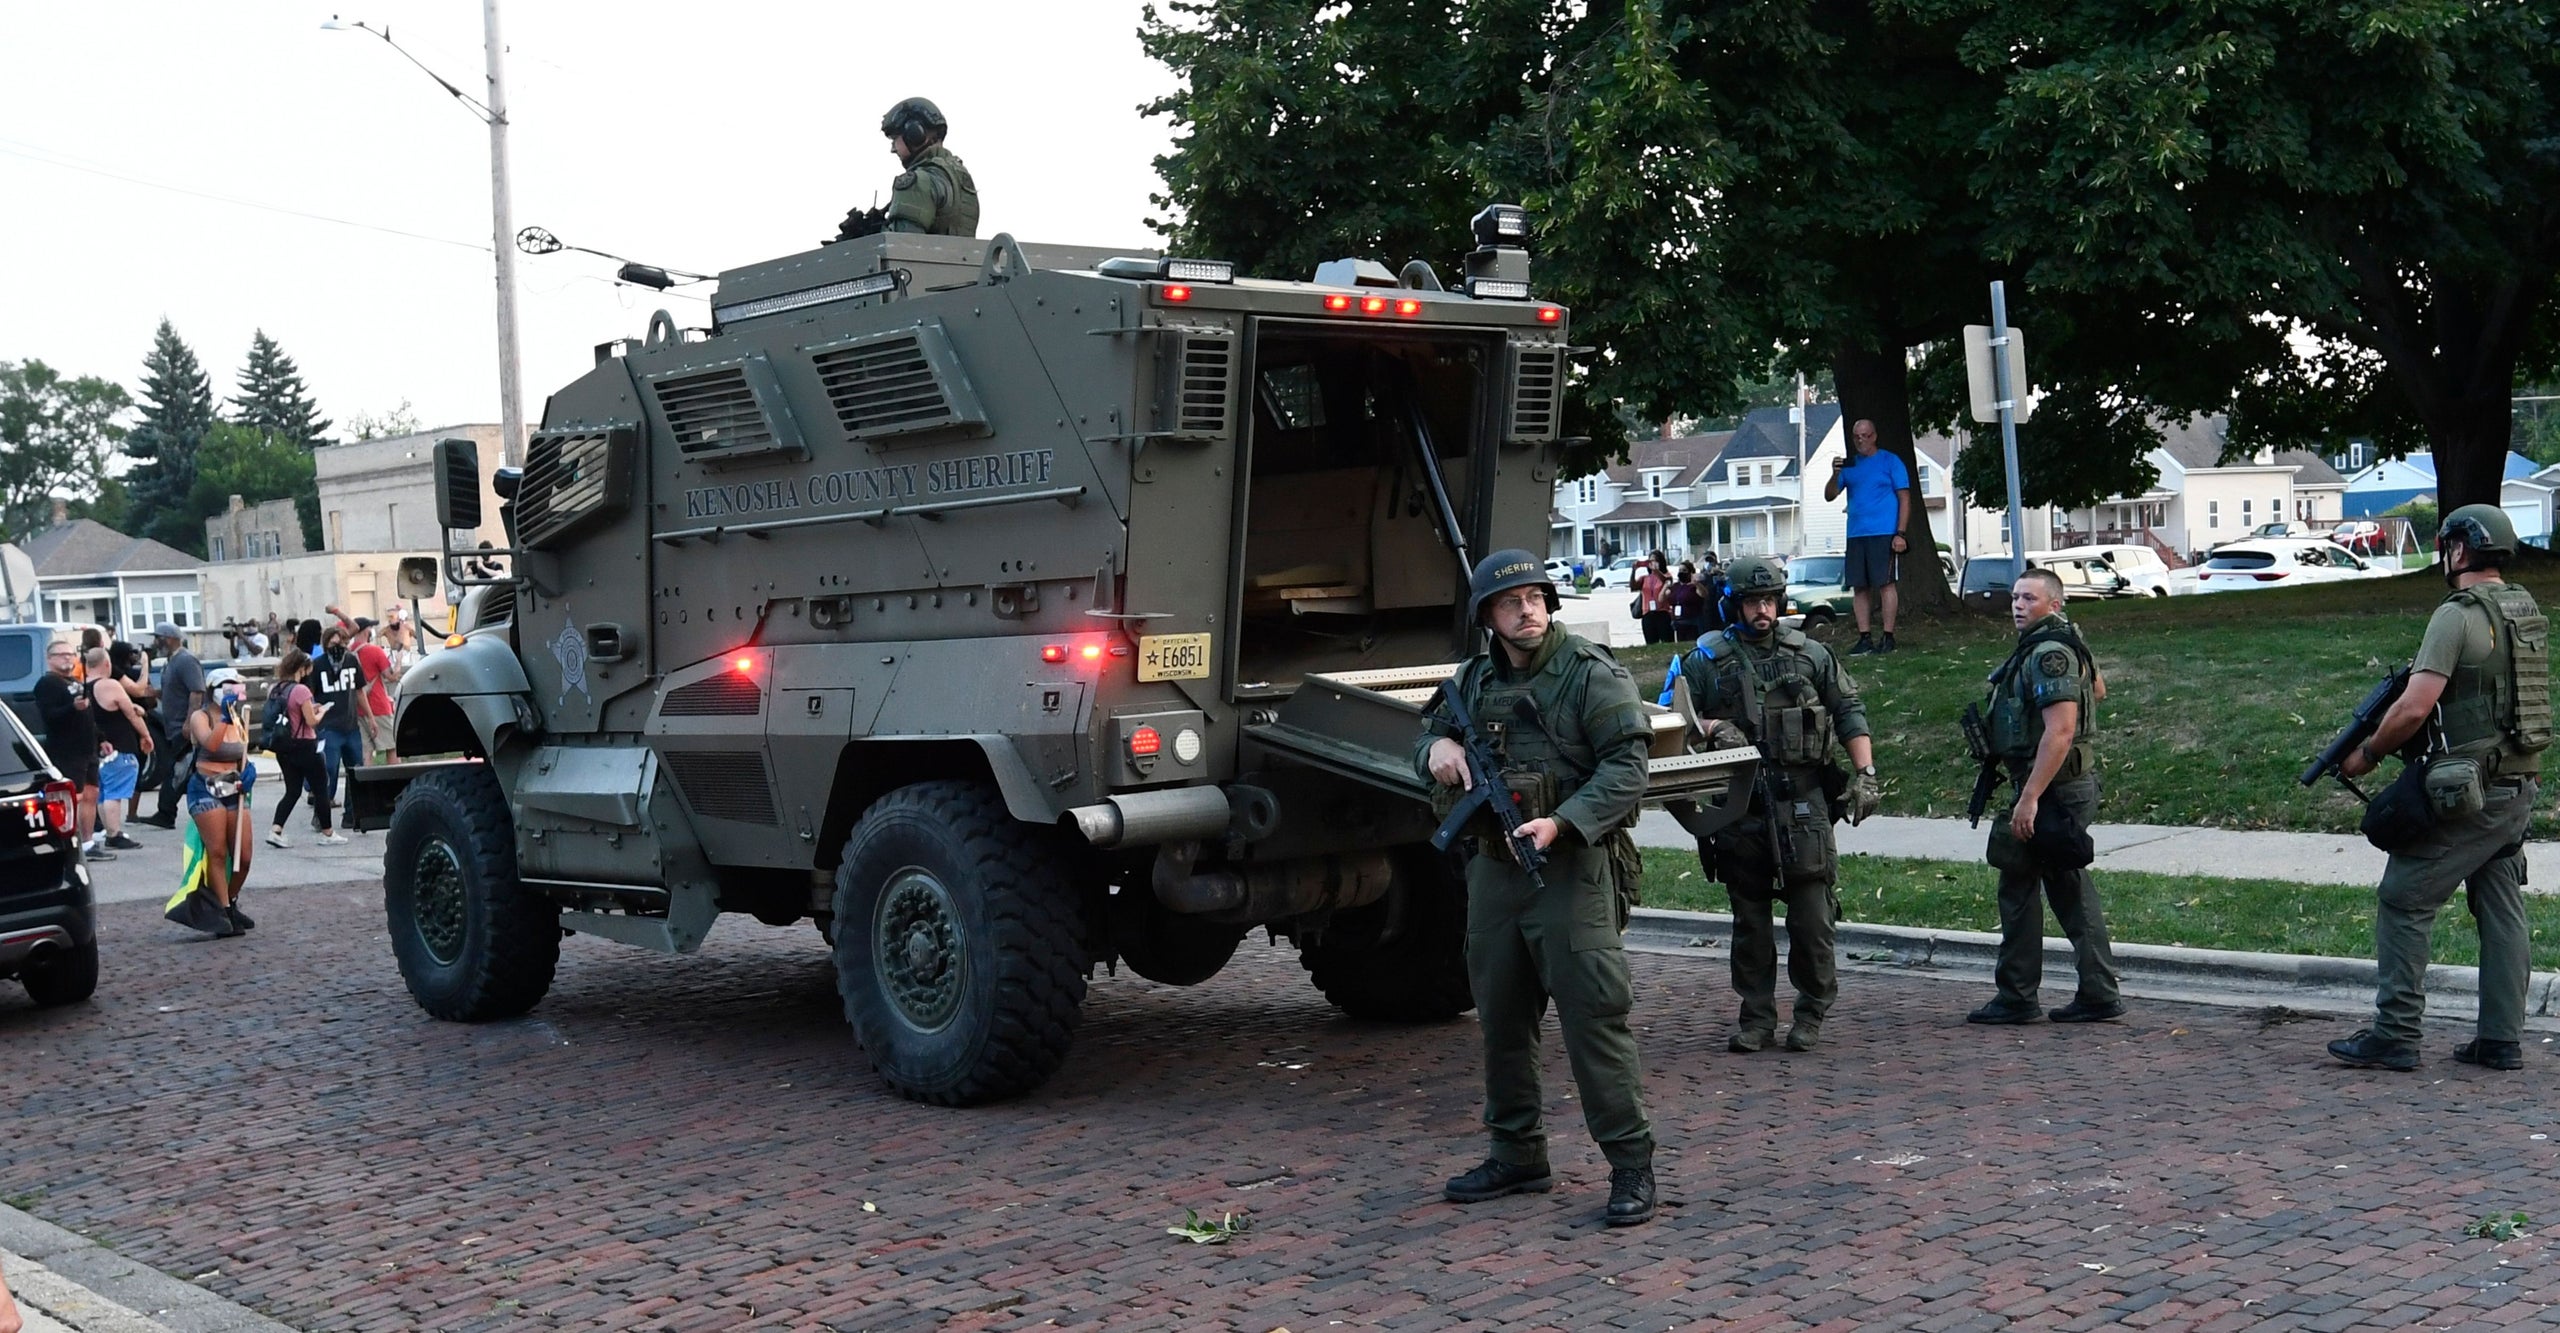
point(128, 722)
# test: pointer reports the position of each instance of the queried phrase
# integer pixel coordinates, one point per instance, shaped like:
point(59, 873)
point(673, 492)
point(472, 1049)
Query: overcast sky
point(687, 135)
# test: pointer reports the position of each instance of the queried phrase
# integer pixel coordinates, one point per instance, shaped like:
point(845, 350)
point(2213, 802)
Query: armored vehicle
point(1007, 610)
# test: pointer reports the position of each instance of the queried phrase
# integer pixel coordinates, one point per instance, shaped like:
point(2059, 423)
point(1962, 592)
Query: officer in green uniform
point(2481, 675)
point(2042, 728)
point(1564, 717)
point(934, 195)
point(1787, 695)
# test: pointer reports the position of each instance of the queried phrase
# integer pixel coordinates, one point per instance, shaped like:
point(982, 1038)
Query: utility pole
point(502, 230)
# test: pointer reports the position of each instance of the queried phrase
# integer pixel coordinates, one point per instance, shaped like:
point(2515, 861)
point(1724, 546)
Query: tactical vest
point(1545, 757)
point(2016, 724)
point(1769, 692)
point(957, 215)
point(2499, 711)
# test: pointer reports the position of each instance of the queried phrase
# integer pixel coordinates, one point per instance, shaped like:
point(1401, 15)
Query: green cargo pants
point(1525, 946)
point(2026, 885)
point(1813, 950)
point(2484, 851)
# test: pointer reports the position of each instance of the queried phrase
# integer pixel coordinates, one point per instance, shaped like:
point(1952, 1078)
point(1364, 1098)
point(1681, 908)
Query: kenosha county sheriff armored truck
point(1008, 610)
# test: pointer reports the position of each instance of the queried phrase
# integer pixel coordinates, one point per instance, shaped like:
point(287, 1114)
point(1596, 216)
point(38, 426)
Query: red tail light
point(1408, 306)
point(61, 801)
point(1145, 743)
point(1373, 305)
point(1055, 652)
point(1337, 303)
point(1548, 314)
point(1177, 293)
point(1091, 652)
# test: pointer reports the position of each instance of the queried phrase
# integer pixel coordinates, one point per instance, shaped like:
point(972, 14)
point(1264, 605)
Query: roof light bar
point(851, 289)
point(1497, 289)
point(1199, 270)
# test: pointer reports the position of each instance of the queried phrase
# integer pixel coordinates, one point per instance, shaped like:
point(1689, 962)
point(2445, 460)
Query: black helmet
point(1752, 574)
point(914, 119)
point(2486, 529)
point(1504, 570)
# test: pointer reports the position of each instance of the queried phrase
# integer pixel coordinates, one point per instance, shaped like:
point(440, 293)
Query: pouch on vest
point(1812, 854)
point(2454, 789)
point(2525, 634)
point(2009, 733)
point(1977, 734)
point(2400, 816)
point(1795, 729)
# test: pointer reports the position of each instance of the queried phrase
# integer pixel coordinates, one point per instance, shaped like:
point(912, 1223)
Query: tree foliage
point(273, 399)
point(177, 411)
point(401, 420)
point(256, 466)
point(2376, 178)
point(55, 435)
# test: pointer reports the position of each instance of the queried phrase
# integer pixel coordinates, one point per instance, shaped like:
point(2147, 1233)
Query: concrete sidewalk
point(66, 1283)
point(2301, 858)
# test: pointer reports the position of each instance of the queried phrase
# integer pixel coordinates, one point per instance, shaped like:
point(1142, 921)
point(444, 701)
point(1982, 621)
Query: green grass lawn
point(2257, 915)
point(2214, 703)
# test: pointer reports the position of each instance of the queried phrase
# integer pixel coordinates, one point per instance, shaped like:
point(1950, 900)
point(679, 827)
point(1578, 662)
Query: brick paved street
point(697, 1143)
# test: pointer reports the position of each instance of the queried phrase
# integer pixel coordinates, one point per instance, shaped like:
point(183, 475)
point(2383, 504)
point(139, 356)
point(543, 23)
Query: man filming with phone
point(1879, 490)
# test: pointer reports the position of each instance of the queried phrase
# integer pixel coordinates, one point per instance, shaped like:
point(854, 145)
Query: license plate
point(1173, 657)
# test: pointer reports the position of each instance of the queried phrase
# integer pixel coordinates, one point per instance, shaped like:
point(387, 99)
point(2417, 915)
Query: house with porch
point(2205, 496)
point(89, 573)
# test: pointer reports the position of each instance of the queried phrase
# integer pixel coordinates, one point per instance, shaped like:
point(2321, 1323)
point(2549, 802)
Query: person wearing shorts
point(124, 737)
point(1879, 489)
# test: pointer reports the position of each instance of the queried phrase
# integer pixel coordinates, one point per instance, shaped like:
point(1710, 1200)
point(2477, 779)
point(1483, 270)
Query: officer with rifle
point(1786, 694)
point(1558, 743)
point(934, 195)
point(2469, 724)
point(2038, 728)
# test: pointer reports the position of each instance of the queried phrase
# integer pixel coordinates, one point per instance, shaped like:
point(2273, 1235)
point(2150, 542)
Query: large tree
point(273, 399)
point(177, 410)
point(55, 435)
point(2377, 178)
point(256, 466)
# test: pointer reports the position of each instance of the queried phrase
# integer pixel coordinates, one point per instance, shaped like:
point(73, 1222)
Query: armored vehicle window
point(1293, 397)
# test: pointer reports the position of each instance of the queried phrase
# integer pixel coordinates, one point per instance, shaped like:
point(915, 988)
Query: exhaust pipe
point(1179, 814)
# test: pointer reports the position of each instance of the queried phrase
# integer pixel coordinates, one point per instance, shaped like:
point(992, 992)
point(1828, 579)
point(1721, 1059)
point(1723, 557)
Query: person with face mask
point(218, 799)
point(1564, 719)
point(2470, 729)
point(1757, 682)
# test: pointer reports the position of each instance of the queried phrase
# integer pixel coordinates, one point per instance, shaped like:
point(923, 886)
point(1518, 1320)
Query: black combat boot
point(2367, 1051)
point(2087, 1011)
point(1630, 1195)
point(2001, 1011)
point(2490, 1054)
point(1750, 1038)
point(1497, 1178)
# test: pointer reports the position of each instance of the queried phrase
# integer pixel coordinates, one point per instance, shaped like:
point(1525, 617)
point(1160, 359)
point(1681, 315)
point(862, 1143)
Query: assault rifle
point(1977, 739)
point(1485, 791)
point(859, 223)
point(2360, 727)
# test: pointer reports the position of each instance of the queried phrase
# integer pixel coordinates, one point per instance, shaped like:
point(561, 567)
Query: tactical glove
point(1865, 795)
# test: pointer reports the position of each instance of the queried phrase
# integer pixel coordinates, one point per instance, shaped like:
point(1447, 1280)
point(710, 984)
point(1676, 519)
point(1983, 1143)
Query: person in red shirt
point(373, 706)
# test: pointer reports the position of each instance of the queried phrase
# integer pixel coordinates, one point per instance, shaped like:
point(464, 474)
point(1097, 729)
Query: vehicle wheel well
point(435, 724)
point(869, 770)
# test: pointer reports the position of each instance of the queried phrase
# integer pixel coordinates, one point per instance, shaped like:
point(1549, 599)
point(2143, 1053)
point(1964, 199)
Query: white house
point(87, 572)
point(2203, 499)
point(1739, 492)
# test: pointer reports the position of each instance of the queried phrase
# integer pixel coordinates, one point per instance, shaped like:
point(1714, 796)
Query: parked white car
point(2280, 564)
point(1618, 574)
point(2140, 565)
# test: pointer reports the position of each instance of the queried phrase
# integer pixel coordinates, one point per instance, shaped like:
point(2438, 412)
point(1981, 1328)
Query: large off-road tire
point(62, 976)
point(1404, 959)
point(472, 944)
point(958, 947)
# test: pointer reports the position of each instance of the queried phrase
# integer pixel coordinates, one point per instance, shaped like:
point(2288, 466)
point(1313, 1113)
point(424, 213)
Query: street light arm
point(478, 107)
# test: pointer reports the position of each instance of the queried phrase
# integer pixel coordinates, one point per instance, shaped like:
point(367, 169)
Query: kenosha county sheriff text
point(895, 484)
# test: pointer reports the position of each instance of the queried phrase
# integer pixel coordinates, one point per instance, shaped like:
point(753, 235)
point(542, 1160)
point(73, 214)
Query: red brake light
point(1177, 293)
point(1091, 652)
point(744, 665)
point(1373, 305)
point(60, 800)
point(1408, 306)
point(1145, 743)
point(1337, 303)
point(1548, 314)
point(1055, 652)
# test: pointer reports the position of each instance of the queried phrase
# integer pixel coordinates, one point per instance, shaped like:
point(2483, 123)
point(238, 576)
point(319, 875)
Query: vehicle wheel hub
point(917, 949)
point(439, 900)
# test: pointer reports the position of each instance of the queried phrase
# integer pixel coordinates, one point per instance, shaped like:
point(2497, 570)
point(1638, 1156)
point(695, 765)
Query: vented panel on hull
point(724, 784)
point(728, 694)
point(899, 385)
point(1537, 391)
point(724, 413)
point(573, 481)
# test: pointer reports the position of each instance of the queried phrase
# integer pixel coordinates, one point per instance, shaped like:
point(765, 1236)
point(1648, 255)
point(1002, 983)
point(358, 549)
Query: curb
point(2150, 971)
point(84, 1286)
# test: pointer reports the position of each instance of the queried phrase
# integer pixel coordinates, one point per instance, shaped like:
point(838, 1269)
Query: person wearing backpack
point(293, 736)
point(2481, 680)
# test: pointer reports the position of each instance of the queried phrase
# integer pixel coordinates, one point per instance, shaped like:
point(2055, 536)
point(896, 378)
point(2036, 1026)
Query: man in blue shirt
point(1879, 489)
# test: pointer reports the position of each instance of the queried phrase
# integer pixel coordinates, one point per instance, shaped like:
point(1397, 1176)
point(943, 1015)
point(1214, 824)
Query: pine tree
point(177, 410)
point(273, 399)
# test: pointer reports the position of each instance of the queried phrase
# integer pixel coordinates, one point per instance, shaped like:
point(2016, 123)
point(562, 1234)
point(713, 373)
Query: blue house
point(2396, 481)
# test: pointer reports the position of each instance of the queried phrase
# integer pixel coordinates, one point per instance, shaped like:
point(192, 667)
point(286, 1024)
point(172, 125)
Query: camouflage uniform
point(1790, 698)
point(1573, 739)
point(934, 195)
point(2051, 666)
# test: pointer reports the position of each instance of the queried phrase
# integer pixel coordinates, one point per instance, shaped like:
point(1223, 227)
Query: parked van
point(2141, 565)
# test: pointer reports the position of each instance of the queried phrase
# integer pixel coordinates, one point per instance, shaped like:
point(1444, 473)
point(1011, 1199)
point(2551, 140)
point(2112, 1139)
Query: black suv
point(48, 915)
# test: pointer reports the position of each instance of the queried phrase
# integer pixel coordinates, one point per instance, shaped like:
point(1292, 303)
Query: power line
point(44, 158)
